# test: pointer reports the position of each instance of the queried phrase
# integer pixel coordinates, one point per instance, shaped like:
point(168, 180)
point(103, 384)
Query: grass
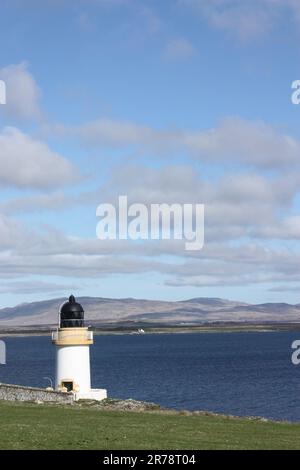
point(33, 426)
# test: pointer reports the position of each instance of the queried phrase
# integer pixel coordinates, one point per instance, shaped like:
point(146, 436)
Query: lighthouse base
point(96, 394)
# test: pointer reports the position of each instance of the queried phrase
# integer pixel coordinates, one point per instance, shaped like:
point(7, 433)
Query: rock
point(121, 405)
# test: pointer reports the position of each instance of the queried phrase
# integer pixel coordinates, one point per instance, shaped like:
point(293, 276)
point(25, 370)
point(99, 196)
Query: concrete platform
point(97, 394)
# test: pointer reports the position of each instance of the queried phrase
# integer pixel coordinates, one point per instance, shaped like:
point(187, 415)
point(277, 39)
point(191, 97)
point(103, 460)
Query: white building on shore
point(72, 340)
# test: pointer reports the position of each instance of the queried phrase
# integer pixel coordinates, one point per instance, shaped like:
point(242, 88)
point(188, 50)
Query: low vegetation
point(83, 426)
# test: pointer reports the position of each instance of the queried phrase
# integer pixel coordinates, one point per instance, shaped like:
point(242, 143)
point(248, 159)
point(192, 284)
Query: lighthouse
point(73, 340)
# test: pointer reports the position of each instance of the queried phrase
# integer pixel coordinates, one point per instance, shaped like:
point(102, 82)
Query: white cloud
point(35, 287)
point(285, 288)
point(114, 133)
point(234, 140)
point(23, 93)
point(288, 228)
point(243, 205)
point(51, 253)
point(29, 163)
point(149, 19)
point(180, 49)
point(252, 143)
point(12, 234)
point(246, 19)
point(52, 201)
point(218, 265)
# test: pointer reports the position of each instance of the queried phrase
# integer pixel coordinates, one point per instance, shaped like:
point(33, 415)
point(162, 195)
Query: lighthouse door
point(68, 385)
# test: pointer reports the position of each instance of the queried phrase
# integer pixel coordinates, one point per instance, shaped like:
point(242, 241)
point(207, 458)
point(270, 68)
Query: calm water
point(236, 373)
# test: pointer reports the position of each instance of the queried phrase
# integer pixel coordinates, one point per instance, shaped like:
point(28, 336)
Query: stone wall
point(22, 393)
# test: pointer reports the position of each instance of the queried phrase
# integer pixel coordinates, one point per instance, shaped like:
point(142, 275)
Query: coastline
point(121, 330)
point(132, 405)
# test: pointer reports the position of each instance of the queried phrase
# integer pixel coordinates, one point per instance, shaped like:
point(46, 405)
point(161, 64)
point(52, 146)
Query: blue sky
point(176, 101)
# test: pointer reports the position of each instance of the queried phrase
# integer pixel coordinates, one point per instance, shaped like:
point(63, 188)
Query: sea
point(242, 374)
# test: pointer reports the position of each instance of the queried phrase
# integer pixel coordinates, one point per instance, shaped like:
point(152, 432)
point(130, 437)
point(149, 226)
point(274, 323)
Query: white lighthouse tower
point(73, 341)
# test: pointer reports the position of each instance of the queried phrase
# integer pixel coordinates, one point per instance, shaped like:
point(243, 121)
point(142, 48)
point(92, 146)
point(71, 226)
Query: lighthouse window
point(68, 386)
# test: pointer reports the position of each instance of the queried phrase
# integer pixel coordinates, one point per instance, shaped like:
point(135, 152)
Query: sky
point(174, 101)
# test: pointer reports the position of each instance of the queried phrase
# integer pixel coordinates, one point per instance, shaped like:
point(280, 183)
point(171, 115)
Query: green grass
point(32, 426)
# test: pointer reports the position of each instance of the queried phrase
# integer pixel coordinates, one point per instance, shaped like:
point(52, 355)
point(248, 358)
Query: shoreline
point(138, 406)
point(98, 331)
point(132, 405)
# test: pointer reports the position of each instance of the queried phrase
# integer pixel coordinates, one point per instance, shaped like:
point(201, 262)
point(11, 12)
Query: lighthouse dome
point(71, 314)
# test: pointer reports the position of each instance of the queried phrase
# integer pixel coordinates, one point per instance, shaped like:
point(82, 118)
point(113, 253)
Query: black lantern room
point(71, 314)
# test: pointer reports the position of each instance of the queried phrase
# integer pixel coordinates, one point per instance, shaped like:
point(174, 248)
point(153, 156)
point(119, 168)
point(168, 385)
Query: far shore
point(150, 329)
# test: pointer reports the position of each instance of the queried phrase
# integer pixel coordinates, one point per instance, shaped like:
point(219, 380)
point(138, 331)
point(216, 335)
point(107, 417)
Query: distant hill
point(103, 311)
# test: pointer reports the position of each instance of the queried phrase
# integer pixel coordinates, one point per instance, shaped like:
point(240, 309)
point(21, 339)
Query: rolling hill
point(103, 311)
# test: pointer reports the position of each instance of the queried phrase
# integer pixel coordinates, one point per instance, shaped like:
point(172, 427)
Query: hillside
point(103, 311)
point(92, 428)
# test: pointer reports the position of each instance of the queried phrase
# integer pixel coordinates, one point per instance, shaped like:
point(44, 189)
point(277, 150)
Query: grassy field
point(32, 426)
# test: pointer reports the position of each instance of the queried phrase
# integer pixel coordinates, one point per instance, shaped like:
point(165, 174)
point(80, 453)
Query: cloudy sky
point(174, 101)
